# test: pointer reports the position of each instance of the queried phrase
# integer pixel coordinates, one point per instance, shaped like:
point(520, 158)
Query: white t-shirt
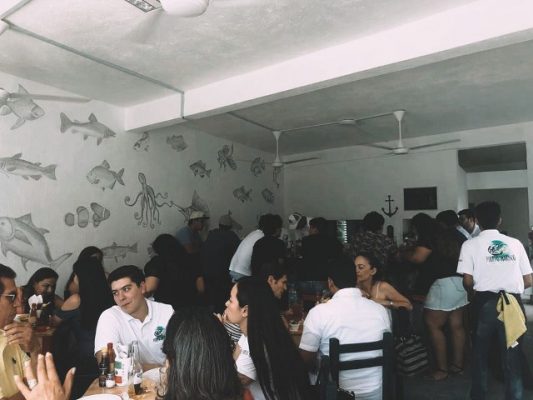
point(115, 326)
point(351, 318)
point(242, 258)
point(245, 366)
point(497, 262)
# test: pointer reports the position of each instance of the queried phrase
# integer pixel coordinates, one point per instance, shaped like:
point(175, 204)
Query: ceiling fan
point(183, 8)
point(400, 148)
point(277, 161)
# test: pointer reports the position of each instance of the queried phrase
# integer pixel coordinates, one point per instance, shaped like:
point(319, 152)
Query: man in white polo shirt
point(133, 318)
point(351, 318)
point(491, 263)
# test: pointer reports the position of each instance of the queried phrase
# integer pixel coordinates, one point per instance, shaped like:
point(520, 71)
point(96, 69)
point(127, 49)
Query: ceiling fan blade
point(434, 144)
point(379, 146)
point(300, 160)
point(48, 97)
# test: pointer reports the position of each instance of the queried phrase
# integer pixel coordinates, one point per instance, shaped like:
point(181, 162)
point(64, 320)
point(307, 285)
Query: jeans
point(487, 325)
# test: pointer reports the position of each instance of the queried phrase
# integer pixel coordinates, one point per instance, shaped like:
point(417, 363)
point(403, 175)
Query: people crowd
point(216, 314)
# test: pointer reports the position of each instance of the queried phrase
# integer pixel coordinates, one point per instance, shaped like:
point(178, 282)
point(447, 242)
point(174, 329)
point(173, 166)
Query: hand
point(21, 334)
point(47, 386)
point(222, 317)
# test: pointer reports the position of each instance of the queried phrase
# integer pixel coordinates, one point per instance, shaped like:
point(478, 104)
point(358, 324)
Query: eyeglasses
point(11, 297)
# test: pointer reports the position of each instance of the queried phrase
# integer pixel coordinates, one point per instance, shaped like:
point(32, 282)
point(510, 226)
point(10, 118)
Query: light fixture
point(145, 5)
point(185, 8)
point(3, 26)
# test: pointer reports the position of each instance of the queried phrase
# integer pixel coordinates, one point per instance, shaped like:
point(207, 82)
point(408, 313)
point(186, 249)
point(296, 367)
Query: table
point(148, 385)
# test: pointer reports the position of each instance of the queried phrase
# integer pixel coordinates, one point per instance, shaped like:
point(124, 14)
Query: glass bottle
point(137, 369)
point(111, 355)
point(103, 368)
point(33, 315)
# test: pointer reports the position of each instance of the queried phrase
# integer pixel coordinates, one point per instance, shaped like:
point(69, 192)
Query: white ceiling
point(474, 77)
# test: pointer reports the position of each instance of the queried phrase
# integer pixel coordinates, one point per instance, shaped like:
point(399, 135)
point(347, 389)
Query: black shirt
point(317, 250)
point(217, 251)
point(177, 281)
point(267, 249)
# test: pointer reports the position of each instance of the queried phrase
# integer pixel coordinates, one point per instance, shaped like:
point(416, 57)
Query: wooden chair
point(386, 361)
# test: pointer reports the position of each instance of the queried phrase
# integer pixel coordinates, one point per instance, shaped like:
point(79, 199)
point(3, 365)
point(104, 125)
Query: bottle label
point(137, 378)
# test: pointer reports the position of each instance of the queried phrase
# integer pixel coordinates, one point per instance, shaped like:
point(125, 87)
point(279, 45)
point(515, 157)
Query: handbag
point(411, 355)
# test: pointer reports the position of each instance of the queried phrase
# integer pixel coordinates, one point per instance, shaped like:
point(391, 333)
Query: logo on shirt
point(498, 251)
point(159, 334)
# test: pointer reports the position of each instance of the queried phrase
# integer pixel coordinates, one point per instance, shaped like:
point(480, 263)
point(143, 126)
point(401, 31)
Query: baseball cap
point(197, 215)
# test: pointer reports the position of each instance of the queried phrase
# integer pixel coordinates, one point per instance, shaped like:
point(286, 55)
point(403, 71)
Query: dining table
point(148, 385)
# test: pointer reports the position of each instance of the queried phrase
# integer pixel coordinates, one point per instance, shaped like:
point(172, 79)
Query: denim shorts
point(446, 294)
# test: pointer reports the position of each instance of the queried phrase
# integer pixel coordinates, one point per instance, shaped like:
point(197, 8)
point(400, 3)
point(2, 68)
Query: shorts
point(446, 294)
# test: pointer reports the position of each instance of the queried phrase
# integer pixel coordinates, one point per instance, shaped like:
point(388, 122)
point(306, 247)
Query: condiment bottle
point(111, 356)
point(33, 315)
point(103, 367)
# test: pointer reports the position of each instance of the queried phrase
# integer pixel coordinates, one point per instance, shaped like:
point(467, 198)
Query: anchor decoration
point(391, 212)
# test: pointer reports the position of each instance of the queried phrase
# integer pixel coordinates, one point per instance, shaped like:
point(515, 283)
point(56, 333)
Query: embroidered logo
point(498, 251)
point(159, 334)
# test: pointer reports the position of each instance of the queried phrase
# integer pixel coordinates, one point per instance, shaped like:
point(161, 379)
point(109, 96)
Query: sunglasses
point(11, 297)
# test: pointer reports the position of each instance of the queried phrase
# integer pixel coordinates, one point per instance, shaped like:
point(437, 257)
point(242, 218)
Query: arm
point(309, 358)
point(22, 334)
point(243, 362)
point(393, 298)
point(58, 301)
point(468, 283)
point(151, 285)
point(200, 285)
point(528, 280)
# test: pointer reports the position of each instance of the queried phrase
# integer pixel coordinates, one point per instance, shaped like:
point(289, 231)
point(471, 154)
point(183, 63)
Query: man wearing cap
point(216, 254)
point(189, 235)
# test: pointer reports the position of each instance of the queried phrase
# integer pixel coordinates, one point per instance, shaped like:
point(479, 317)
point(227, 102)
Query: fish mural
point(24, 108)
point(115, 251)
point(268, 196)
point(92, 128)
point(225, 157)
point(199, 168)
point(15, 165)
point(242, 195)
point(258, 166)
point(177, 142)
point(143, 143)
point(21, 237)
point(197, 204)
point(83, 216)
point(103, 176)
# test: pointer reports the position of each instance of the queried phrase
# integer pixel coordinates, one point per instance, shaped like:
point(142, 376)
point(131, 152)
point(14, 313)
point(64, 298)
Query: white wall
point(166, 170)
point(349, 188)
point(497, 179)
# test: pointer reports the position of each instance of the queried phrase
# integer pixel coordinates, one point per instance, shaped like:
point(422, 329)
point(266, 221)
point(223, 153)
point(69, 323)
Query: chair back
point(386, 360)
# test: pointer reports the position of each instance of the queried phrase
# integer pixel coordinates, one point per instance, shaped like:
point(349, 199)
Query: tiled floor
point(458, 387)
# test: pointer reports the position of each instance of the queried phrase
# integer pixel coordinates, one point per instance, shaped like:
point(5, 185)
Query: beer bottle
point(103, 368)
point(111, 356)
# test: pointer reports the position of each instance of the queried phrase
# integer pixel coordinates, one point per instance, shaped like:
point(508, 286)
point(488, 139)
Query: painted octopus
point(225, 157)
point(148, 202)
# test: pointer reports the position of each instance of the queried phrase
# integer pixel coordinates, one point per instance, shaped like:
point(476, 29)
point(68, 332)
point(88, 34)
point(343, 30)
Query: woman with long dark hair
point(86, 253)
point(43, 283)
point(266, 357)
point(82, 309)
point(199, 355)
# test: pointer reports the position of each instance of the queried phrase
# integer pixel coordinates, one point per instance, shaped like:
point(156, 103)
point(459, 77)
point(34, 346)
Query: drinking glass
point(161, 386)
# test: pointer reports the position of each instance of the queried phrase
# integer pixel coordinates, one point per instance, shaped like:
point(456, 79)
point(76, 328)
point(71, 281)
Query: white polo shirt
point(351, 318)
point(115, 326)
point(497, 262)
point(242, 258)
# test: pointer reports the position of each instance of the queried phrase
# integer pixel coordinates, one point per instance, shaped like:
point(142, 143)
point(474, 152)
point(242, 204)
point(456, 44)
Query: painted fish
point(24, 108)
point(91, 128)
point(102, 174)
point(143, 143)
point(23, 238)
point(197, 204)
point(258, 166)
point(268, 196)
point(115, 251)
point(177, 142)
point(100, 213)
point(242, 195)
point(17, 166)
point(199, 168)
